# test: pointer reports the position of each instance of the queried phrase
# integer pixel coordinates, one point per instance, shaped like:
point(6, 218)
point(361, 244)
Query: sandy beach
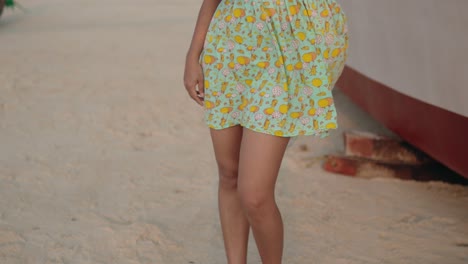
point(105, 159)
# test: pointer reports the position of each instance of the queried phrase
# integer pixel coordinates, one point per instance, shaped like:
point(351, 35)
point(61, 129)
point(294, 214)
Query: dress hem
point(317, 133)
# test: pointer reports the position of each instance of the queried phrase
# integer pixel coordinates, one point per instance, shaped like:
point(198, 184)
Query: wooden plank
point(382, 149)
point(366, 168)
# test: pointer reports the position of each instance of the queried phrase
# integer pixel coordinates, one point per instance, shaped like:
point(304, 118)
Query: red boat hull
point(440, 133)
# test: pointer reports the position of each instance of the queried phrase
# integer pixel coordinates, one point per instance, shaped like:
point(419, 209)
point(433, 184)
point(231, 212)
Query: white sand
point(104, 158)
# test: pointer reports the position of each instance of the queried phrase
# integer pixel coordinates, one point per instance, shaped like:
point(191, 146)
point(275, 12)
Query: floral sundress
point(270, 66)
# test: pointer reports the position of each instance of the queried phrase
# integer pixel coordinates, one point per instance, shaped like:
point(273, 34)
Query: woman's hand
point(193, 75)
point(193, 79)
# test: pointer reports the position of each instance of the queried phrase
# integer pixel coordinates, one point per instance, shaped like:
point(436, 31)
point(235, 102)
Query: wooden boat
point(408, 68)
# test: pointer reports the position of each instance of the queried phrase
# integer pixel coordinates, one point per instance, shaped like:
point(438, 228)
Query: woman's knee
point(255, 202)
point(228, 175)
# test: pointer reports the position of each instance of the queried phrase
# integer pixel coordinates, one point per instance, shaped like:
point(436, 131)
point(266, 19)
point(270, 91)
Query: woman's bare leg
point(260, 160)
point(234, 224)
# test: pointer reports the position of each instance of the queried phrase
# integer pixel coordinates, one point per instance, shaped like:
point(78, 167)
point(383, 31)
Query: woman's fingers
point(192, 91)
point(193, 82)
point(201, 85)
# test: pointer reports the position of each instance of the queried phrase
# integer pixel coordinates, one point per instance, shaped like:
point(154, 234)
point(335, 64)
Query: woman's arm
point(193, 75)
point(204, 17)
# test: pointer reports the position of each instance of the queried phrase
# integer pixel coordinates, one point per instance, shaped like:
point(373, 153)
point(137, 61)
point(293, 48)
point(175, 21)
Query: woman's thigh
point(226, 145)
point(261, 156)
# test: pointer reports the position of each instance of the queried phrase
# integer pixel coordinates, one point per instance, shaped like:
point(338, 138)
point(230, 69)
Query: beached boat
point(408, 68)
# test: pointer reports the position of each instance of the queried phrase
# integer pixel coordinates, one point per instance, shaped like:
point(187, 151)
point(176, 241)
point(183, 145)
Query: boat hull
point(407, 68)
